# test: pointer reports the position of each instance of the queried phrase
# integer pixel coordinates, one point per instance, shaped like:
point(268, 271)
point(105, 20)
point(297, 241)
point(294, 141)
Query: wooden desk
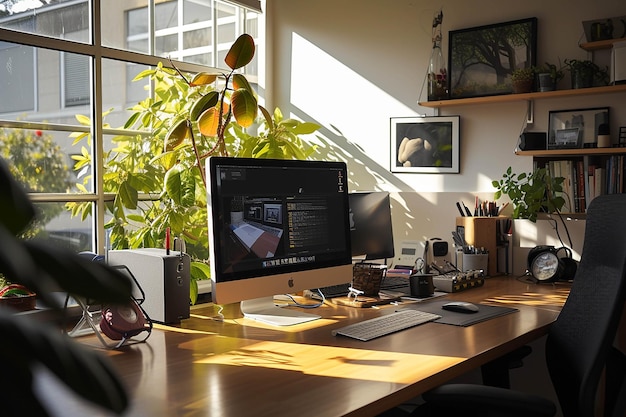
point(239, 367)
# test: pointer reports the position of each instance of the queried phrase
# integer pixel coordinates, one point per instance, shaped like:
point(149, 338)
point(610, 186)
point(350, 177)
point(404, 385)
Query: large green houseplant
point(190, 118)
point(28, 344)
point(531, 192)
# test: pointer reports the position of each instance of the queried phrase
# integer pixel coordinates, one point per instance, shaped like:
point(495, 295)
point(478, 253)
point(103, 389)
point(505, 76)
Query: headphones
point(124, 321)
point(545, 265)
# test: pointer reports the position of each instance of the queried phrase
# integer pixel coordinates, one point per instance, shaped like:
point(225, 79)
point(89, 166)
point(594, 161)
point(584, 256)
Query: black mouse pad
point(485, 312)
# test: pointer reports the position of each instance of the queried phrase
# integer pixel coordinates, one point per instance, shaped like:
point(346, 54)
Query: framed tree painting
point(425, 144)
point(482, 58)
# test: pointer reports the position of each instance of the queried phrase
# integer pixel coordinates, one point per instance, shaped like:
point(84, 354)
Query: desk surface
point(241, 367)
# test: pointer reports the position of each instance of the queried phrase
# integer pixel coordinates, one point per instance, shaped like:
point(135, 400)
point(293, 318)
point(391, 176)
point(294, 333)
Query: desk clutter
point(488, 236)
point(459, 281)
point(373, 284)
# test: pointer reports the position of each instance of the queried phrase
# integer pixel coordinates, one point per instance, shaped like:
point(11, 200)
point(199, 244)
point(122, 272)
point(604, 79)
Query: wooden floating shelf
point(524, 96)
point(572, 152)
point(597, 45)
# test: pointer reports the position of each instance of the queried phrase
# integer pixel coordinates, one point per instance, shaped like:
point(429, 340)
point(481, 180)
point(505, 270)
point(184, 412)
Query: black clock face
point(545, 266)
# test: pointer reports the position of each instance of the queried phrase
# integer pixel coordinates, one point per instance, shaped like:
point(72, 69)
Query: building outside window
point(60, 59)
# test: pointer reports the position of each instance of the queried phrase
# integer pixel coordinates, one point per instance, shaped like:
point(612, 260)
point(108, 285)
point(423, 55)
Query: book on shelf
point(585, 178)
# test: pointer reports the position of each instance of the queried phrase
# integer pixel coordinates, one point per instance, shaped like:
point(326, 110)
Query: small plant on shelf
point(531, 193)
point(522, 79)
point(549, 75)
point(585, 73)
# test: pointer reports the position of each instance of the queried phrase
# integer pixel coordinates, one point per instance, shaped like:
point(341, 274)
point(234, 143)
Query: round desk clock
point(545, 265)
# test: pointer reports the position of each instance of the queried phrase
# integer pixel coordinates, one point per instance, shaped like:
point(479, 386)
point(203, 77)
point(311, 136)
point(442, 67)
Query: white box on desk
point(164, 279)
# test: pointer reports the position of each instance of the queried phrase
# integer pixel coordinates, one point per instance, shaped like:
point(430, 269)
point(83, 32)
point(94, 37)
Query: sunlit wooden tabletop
point(238, 367)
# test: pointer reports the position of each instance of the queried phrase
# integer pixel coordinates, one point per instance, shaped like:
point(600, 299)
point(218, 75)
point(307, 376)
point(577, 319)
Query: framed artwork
point(603, 29)
point(578, 128)
point(428, 145)
point(481, 59)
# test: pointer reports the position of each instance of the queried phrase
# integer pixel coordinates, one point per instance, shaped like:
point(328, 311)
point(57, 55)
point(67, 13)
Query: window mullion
point(96, 117)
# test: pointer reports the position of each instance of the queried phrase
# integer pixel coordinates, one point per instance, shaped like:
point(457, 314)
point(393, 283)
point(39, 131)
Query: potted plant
point(522, 80)
point(531, 193)
point(189, 119)
point(28, 343)
point(548, 76)
point(585, 73)
point(16, 296)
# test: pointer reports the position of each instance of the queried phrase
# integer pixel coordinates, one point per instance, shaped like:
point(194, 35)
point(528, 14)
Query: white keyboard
point(384, 325)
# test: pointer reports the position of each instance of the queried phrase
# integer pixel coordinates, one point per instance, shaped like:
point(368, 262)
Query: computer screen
point(370, 225)
point(276, 227)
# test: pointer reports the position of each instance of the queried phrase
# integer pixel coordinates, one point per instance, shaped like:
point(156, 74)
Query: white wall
point(352, 65)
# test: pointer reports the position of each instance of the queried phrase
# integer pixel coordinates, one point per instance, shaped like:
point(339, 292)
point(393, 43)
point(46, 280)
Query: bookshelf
point(587, 172)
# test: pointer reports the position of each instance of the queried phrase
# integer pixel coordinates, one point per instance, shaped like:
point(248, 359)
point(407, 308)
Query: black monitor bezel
point(218, 273)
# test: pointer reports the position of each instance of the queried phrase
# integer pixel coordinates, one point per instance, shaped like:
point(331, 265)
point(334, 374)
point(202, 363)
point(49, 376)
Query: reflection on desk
point(206, 367)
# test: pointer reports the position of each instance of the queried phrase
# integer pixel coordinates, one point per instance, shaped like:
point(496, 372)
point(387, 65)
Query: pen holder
point(367, 278)
point(473, 262)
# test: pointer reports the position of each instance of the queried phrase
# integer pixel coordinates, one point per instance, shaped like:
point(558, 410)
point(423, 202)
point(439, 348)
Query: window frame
point(99, 53)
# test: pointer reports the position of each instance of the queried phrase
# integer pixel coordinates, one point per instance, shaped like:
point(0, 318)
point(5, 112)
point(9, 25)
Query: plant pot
point(546, 82)
point(522, 86)
point(582, 79)
point(19, 302)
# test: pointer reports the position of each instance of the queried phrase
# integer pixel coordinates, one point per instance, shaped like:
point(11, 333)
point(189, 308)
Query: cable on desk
point(218, 316)
point(298, 304)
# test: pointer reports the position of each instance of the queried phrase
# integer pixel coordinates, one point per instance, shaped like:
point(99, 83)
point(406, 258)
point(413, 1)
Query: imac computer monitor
point(276, 227)
point(370, 225)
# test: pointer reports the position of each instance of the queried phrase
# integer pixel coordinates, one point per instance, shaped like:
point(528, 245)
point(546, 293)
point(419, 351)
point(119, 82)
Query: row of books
point(585, 179)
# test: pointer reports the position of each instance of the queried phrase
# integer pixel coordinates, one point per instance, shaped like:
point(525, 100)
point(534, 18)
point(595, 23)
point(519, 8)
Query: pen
point(467, 212)
point(458, 206)
point(167, 241)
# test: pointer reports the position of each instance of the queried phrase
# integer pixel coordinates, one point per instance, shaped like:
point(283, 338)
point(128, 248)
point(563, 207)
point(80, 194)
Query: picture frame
point(477, 64)
point(604, 29)
point(426, 145)
point(576, 128)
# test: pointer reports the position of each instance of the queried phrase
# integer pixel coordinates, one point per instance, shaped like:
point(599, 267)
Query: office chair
point(579, 348)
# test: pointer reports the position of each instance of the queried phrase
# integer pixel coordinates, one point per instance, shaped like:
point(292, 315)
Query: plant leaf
point(240, 81)
point(203, 78)
point(202, 104)
point(128, 195)
point(268, 118)
point(244, 107)
point(208, 122)
point(176, 135)
point(173, 184)
point(305, 128)
point(241, 52)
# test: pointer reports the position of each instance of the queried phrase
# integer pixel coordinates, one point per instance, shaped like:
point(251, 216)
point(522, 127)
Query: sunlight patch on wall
point(342, 100)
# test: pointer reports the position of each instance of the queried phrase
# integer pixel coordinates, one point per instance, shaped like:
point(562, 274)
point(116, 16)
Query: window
point(58, 78)
point(18, 66)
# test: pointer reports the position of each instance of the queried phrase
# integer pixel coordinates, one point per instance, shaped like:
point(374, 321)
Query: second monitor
point(371, 233)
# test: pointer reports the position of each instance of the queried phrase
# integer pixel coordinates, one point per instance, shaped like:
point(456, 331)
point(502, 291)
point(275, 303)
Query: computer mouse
point(460, 307)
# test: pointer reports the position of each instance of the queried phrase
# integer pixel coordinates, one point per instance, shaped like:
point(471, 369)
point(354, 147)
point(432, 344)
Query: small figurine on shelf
point(437, 72)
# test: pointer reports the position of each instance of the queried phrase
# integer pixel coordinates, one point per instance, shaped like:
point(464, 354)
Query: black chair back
point(580, 341)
